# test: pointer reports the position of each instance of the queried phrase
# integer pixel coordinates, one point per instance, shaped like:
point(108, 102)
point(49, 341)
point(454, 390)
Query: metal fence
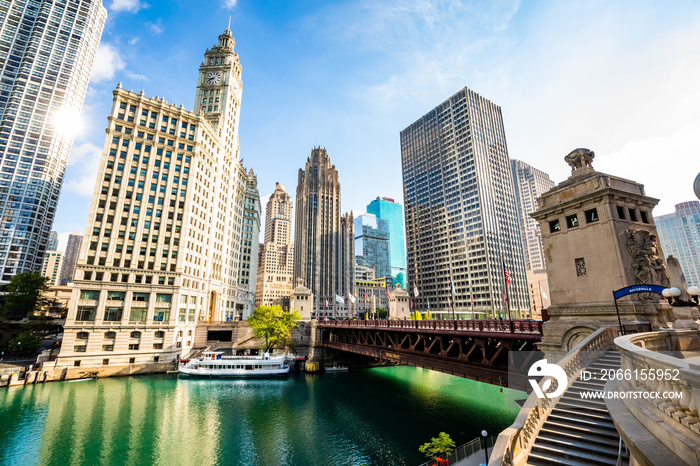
point(463, 451)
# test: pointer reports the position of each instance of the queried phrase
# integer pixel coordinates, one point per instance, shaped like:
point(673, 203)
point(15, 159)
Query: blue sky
point(620, 78)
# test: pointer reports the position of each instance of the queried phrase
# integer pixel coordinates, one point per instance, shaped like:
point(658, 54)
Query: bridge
point(474, 349)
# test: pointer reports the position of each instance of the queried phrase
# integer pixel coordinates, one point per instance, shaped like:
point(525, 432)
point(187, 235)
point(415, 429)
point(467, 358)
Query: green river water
point(376, 416)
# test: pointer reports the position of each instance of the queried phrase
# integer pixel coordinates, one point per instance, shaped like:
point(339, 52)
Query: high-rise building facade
point(172, 234)
point(47, 50)
point(276, 257)
point(324, 252)
point(52, 267)
point(372, 244)
point(679, 234)
point(530, 183)
point(461, 212)
point(75, 241)
point(392, 212)
point(52, 245)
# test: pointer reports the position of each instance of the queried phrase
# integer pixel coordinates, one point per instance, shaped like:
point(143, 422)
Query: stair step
point(575, 458)
point(577, 420)
point(574, 397)
point(605, 417)
point(566, 403)
point(563, 426)
point(591, 384)
point(582, 444)
point(601, 365)
point(576, 436)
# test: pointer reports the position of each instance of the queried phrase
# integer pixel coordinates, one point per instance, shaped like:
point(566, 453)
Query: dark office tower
point(323, 239)
point(460, 209)
point(70, 260)
point(46, 54)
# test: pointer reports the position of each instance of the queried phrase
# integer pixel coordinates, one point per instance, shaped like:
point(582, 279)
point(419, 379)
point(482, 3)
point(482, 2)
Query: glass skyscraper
point(387, 209)
point(461, 213)
point(679, 234)
point(372, 244)
point(47, 49)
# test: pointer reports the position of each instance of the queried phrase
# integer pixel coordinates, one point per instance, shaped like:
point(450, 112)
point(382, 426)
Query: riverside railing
point(464, 451)
point(514, 444)
point(476, 326)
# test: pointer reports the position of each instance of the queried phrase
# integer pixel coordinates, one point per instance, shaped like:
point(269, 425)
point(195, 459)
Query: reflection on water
point(373, 416)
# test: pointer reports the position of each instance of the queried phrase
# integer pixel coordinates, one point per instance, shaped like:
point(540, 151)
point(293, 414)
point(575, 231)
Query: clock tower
point(219, 91)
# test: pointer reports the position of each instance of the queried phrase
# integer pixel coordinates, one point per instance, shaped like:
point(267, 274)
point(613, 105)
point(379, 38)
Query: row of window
point(113, 335)
point(121, 296)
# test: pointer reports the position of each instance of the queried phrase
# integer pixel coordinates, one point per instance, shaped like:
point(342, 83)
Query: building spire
point(228, 28)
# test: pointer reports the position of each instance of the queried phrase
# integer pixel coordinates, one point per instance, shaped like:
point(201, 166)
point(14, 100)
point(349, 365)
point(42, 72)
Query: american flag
point(506, 274)
point(326, 300)
point(366, 297)
point(388, 295)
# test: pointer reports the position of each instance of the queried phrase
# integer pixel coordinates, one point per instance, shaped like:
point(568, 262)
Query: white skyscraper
point(172, 236)
point(679, 233)
point(46, 54)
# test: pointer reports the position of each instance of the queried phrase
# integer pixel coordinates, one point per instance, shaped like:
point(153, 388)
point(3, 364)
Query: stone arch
point(576, 335)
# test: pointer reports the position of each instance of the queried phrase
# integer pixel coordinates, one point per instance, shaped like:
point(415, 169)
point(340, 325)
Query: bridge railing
point(476, 326)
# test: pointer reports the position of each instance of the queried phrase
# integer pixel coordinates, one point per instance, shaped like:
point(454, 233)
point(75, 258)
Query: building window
point(110, 335)
point(85, 314)
point(554, 226)
point(645, 218)
point(160, 334)
point(157, 345)
point(163, 298)
point(116, 295)
point(134, 346)
point(621, 213)
point(161, 315)
point(132, 360)
point(591, 215)
point(113, 314)
point(135, 335)
point(79, 349)
point(107, 347)
point(82, 335)
point(633, 215)
point(89, 294)
point(138, 314)
point(571, 221)
point(105, 362)
point(76, 363)
point(580, 266)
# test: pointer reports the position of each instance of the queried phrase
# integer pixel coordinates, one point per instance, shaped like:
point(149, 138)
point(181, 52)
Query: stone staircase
point(580, 431)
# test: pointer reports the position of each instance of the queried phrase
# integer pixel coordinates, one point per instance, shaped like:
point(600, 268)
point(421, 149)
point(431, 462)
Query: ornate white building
point(171, 240)
point(276, 258)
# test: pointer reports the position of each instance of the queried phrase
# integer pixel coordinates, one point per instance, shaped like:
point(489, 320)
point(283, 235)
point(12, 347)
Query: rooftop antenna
point(229, 23)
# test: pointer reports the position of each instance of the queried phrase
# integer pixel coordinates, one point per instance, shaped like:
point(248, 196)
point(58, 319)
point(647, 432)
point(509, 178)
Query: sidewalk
point(475, 459)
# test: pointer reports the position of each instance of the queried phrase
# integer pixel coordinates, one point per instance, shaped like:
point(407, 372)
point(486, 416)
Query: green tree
point(273, 325)
point(25, 343)
point(26, 295)
point(382, 313)
point(438, 446)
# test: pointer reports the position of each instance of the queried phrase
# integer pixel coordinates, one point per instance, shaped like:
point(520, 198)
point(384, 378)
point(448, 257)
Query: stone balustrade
point(666, 364)
point(514, 443)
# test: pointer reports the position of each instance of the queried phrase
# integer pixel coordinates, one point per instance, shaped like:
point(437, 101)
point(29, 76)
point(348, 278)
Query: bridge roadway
point(474, 349)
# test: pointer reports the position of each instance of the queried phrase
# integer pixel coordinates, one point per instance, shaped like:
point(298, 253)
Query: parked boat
point(335, 368)
point(215, 364)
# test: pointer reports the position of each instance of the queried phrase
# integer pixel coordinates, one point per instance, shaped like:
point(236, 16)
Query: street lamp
point(696, 186)
point(486, 446)
point(673, 296)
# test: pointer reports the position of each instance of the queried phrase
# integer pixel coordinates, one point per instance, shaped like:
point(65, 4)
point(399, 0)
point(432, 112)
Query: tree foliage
point(382, 313)
point(26, 295)
point(438, 446)
point(415, 315)
point(273, 325)
point(25, 343)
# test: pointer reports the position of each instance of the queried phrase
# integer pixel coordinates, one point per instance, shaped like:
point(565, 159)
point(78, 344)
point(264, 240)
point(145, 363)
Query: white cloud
point(229, 4)
point(157, 27)
point(107, 63)
point(83, 164)
point(131, 6)
point(134, 41)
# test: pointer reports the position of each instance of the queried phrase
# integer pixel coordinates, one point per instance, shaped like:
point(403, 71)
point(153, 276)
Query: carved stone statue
point(648, 265)
point(579, 158)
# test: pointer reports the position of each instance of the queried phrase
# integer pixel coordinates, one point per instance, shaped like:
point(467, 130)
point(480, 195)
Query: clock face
point(213, 77)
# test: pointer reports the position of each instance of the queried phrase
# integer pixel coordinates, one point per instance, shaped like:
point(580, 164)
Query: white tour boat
point(215, 364)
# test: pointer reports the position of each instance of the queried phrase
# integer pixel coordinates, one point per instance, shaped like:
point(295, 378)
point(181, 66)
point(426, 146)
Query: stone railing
point(650, 366)
point(514, 444)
